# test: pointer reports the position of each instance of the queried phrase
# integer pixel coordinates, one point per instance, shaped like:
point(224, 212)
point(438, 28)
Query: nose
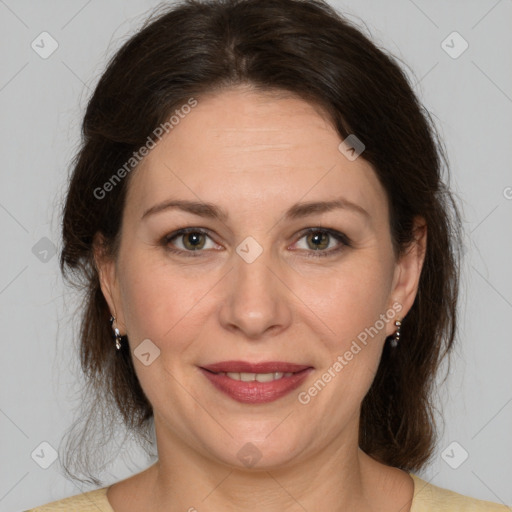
point(257, 300)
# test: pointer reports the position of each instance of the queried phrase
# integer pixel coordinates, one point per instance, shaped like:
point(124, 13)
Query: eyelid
point(331, 231)
point(344, 241)
point(337, 235)
point(184, 231)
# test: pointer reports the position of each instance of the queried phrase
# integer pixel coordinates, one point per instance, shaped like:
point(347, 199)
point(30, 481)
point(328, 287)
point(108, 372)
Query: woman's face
point(248, 283)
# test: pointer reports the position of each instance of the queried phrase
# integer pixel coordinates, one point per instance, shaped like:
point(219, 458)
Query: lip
point(246, 367)
point(255, 392)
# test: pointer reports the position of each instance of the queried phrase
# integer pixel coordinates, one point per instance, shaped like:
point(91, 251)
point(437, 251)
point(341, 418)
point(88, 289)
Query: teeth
point(260, 377)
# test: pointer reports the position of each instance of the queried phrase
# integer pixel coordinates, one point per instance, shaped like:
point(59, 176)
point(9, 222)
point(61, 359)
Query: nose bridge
point(256, 299)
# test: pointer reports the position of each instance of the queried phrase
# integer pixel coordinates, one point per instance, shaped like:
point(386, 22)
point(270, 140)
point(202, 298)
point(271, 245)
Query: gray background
point(42, 101)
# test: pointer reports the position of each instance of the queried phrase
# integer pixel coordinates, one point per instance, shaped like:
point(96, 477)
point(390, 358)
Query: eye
point(188, 240)
point(323, 241)
point(192, 241)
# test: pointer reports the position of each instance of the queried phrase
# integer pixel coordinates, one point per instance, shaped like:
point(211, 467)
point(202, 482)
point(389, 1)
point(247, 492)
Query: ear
point(408, 269)
point(106, 268)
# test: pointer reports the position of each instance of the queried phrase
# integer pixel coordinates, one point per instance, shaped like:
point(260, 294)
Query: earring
point(396, 338)
point(116, 332)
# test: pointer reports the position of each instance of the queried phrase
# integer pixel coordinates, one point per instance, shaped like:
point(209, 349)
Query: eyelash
point(340, 237)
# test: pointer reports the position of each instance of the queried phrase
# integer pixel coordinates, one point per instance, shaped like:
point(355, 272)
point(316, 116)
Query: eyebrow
point(297, 211)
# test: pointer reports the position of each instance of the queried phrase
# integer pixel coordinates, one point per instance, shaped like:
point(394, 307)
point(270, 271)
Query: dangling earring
point(116, 332)
point(396, 338)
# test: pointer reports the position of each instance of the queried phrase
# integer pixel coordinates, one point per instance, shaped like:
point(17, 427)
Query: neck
point(341, 477)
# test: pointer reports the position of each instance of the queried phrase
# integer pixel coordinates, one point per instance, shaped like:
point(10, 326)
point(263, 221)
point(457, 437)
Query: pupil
point(194, 239)
point(319, 239)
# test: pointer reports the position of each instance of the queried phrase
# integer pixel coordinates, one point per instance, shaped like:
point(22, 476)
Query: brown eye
point(323, 241)
point(318, 240)
point(193, 241)
point(188, 241)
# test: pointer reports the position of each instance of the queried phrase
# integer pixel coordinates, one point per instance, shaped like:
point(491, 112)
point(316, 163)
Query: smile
point(260, 377)
point(255, 383)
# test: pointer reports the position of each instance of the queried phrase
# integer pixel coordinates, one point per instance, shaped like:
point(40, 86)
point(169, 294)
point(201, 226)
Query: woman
point(270, 256)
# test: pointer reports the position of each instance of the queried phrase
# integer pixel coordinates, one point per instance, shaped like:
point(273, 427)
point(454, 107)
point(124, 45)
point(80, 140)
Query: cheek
point(350, 301)
point(161, 303)
point(350, 308)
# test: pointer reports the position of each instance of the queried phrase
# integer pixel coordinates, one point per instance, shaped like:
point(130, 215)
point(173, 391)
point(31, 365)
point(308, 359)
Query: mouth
point(255, 382)
point(251, 377)
point(256, 368)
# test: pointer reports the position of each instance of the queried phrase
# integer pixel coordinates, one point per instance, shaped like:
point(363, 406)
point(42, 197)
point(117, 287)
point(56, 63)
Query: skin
point(255, 155)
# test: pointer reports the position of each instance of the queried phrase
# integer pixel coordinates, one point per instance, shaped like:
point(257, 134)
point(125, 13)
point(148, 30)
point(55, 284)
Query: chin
point(260, 452)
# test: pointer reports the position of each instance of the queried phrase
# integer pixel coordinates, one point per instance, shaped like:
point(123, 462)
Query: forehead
point(241, 148)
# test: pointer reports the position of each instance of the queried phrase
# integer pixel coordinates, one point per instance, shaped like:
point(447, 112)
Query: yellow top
point(427, 498)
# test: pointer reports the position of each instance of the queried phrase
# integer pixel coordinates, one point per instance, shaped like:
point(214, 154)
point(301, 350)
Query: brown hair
point(305, 48)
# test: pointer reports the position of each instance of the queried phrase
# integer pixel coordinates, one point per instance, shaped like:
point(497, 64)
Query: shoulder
point(428, 497)
point(91, 501)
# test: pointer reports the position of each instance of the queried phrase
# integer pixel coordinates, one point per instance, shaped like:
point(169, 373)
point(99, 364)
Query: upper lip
point(246, 367)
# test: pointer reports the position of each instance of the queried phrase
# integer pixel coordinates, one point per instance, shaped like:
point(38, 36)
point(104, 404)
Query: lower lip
point(256, 392)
